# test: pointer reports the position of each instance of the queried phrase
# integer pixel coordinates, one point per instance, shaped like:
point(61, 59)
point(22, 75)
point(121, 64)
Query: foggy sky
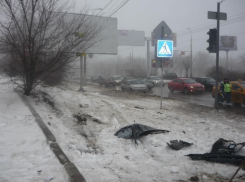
point(145, 15)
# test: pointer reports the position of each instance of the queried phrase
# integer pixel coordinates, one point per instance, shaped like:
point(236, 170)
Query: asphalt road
point(204, 98)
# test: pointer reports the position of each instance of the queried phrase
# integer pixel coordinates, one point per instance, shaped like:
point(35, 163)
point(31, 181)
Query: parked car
point(107, 81)
point(155, 80)
point(94, 79)
point(127, 78)
point(133, 85)
point(208, 82)
point(118, 79)
point(170, 76)
point(75, 77)
point(148, 84)
point(237, 92)
point(186, 85)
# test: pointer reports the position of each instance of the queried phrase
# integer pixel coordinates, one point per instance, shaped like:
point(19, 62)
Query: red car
point(186, 85)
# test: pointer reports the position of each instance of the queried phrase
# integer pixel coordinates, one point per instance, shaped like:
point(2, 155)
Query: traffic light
point(153, 63)
point(212, 48)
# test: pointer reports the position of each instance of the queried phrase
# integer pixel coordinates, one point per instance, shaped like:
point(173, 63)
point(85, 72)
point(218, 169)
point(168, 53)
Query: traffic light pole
point(217, 57)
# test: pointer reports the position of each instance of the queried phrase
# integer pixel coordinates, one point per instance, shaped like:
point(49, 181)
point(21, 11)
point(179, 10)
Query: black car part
point(222, 152)
point(220, 158)
point(226, 146)
point(178, 144)
point(135, 130)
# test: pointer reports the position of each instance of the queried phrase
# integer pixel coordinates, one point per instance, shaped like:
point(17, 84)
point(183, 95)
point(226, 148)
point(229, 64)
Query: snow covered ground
point(25, 155)
point(97, 153)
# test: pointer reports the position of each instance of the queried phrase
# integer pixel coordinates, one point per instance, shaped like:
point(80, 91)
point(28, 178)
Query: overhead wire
point(195, 30)
point(122, 4)
point(100, 13)
point(113, 5)
point(205, 24)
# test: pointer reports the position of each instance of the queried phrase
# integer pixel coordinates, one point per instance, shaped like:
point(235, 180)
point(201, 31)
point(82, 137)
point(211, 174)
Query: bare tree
point(202, 62)
point(187, 64)
point(40, 37)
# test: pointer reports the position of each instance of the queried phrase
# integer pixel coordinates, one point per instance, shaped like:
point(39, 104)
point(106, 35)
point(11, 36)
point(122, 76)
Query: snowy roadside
point(24, 152)
point(101, 156)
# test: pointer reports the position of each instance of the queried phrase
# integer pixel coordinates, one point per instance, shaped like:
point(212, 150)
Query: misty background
point(186, 18)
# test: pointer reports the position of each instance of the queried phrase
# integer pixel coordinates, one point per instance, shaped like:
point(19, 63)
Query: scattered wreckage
point(223, 151)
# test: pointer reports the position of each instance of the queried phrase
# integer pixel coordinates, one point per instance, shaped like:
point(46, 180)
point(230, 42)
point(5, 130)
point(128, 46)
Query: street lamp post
point(191, 53)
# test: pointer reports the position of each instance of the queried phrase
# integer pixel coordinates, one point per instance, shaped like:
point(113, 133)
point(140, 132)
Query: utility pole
point(148, 56)
point(191, 54)
point(227, 59)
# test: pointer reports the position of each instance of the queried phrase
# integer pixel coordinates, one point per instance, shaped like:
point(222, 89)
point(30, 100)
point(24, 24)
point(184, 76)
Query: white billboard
point(100, 33)
point(228, 43)
point(131, 38)
point(107, 37)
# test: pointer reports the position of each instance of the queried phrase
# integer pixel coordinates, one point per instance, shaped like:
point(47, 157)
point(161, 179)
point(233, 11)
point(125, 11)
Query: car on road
point(133, 86)
point(148, 84)
point(208, 82)
point(185, 85)
point(155, 80)
point(170, 76)
point(105, 80)
point(76, 77)
point(128, 78)
point(94, 79)
point(118, 79)
point(237, 92)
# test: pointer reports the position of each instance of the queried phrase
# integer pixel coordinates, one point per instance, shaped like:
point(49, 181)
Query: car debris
point(178, 144)
point(226, 146)
point(222, 152)
point(135, 130)
point(220, 158)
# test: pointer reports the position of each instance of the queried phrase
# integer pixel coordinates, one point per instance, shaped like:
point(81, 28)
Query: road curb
point(72, 171)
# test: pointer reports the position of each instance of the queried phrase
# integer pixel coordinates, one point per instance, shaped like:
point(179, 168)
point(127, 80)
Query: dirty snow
point(93, 148)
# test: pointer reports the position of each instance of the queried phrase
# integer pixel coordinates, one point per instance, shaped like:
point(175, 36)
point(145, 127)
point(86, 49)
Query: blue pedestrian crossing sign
point(164, 48)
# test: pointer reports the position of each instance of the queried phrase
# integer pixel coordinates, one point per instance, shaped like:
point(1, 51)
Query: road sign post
point(164, 50)
point(219, 16)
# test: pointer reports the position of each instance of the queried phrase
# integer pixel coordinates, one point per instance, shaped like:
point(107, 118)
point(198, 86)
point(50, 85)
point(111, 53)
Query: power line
point(112, 6)
point(233, 34)
point(119, 8)
point(105, 7)
point(213, 24)
point(195, 30)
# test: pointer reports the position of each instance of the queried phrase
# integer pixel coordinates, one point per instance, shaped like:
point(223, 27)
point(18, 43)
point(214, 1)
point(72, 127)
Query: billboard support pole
point(81, 74)
point(85, 70)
